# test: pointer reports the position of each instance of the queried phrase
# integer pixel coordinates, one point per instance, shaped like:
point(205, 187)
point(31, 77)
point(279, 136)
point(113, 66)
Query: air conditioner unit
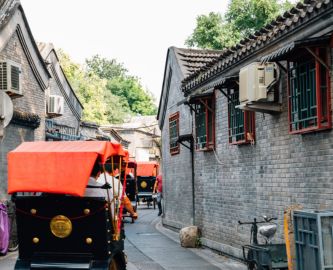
point(10, 78)
point(255, 81)
point(55, 105)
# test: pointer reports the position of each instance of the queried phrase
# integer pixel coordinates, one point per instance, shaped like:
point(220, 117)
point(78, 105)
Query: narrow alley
point(150, 246)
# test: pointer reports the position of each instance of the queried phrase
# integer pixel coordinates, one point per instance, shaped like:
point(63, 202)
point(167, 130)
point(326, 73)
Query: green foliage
point(100, 106)
point(242, 18)
point(247, 16)
point(105, 68)
point(207, 33)
point(132, 96)
point(105, 90)
point(198, 243)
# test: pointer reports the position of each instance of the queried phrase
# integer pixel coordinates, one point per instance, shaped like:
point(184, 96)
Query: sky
point(136, 33)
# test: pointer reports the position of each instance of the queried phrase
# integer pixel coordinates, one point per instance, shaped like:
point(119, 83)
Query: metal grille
point(173, 130)
point(313, 239)
point(302, 95)
point(241, 123)
point(205, 123)
point(3, 76)
point(236, 119)
point(200, 125)
point(15, 78)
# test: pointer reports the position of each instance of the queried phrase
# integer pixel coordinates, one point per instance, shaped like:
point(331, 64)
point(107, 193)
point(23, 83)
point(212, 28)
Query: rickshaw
point(146, 177)
point(131, 188)
point(59, 228)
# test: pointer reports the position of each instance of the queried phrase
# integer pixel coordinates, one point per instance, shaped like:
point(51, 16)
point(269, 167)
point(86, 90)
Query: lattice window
point(309, 94)
point(241, 123)
point(205, 123)
point(174, 133)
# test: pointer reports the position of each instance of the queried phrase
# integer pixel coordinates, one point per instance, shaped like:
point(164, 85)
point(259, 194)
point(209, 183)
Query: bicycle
point(265, 256)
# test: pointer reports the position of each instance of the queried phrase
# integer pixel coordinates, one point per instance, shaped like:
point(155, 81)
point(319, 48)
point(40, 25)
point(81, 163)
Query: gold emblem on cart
point(143, 184)
point(61, 226)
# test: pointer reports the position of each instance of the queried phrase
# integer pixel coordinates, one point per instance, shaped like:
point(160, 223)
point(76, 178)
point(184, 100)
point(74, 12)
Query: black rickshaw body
point(64, 230)
point(146, 177)
point(145, 189)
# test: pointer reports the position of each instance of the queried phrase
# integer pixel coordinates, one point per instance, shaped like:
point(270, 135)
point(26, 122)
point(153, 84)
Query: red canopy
point(57, 167)
point(147, 168)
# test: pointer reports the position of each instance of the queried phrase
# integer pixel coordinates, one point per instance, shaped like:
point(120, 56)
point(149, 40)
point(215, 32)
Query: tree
point(100, 105)
point(242, 18)
point(208, 32)
point(132, 96)
point(105, 68)
point(247, 16)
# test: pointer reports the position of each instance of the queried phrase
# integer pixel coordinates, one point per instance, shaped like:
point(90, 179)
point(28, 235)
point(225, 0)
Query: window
point(309, 93)
point(241, 123)
point(205, 123)
point(174, 133)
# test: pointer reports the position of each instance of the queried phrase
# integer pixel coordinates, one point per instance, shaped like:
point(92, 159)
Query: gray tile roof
point(193, 60)
point(280, 27)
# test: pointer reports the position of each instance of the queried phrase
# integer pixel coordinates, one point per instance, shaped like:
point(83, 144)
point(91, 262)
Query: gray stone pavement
point(149, 245)
point(8, 262)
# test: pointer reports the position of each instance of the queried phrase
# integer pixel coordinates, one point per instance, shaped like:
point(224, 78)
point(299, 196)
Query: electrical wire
point(217, 158)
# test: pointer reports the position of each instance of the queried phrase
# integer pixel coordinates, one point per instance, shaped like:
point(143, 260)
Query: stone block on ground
point(188, 236)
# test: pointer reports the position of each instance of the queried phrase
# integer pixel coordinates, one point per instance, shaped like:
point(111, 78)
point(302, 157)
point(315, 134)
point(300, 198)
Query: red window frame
point(245, 123)
point(323, 116)
point(206, 106)
point(174, 147)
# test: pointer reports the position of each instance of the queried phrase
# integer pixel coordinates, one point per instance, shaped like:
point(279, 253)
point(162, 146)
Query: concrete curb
point(220, 261)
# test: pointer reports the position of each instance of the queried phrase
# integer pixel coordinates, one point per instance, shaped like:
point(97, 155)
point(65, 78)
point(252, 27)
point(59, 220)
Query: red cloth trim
point(147, 168)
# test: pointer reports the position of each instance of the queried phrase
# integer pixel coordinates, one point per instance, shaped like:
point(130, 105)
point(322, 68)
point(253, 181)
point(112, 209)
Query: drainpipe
point(193, 190)
point(189, 139)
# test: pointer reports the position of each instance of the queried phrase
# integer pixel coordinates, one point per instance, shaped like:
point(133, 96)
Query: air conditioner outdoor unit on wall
point(55, 106)
point(10, 78)
point(255, 81)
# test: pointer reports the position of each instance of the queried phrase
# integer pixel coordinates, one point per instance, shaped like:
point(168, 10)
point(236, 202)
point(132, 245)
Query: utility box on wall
point(255, 81)
point(259, 88)
point(313, 231)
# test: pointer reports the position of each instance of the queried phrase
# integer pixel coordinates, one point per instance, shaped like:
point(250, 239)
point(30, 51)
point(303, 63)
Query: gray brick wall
point(14, 135)
point(177, 187)
point(33, 101)
point(68, 118)
point(246, 181)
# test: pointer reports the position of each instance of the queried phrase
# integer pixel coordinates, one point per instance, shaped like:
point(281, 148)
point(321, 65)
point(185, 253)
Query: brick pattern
point(33, 101)
point(246, 181)
point(177, 187)
point(68, 118)
point(14, 135)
